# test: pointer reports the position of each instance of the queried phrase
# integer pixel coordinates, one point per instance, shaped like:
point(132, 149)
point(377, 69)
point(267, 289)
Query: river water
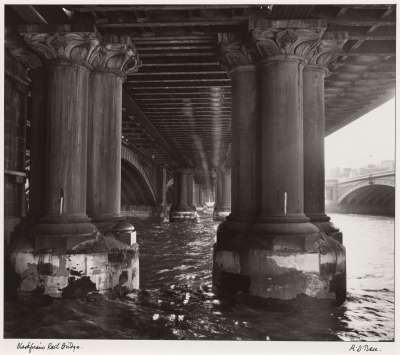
point(176, 300)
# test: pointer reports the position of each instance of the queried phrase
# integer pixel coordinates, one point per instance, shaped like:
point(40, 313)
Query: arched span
point(131, 158)
point(370, 199)
point(364, 183)
point(134, 189)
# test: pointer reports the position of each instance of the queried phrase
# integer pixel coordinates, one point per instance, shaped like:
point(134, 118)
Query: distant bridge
point(367, 194)
point(141, 187)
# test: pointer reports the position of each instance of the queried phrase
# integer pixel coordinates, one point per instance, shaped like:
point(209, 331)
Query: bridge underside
point(177, 106)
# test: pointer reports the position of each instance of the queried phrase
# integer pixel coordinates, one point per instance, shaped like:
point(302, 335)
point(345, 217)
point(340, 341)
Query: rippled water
point(176, 300)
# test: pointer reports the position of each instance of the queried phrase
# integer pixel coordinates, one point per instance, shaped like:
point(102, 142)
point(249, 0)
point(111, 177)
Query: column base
point(100, 264)
point(178, 216)
point(118, 227)
point(61, 233)
point(273, 262)
point(324, 224)
point(220, 215)
point(164, 212)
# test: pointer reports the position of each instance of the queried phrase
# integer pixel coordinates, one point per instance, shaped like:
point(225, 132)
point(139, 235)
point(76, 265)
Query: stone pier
point(79, 118)
point(183, 208)
point(270, 248)
point(222, 206)
point(201, 197)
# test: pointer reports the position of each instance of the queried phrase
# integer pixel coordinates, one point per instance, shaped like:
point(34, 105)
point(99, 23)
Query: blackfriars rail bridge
point(164, 102)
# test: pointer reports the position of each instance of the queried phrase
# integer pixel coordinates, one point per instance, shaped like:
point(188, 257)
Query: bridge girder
point(180, 66)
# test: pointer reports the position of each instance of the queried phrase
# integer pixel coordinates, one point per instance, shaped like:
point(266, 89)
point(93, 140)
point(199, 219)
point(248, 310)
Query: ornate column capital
point(20, 51)
point(75, 47)
point(323, 52)
point(284, 37)
point(117, 55)
point(235, 51)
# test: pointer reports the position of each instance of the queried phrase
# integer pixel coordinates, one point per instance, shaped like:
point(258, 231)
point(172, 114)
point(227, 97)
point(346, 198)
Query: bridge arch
point(369, 198)
point(350, 188)
point(136, 186)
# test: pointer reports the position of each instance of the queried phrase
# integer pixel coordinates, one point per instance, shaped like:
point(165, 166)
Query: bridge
point(132, 110)
point(366, 194)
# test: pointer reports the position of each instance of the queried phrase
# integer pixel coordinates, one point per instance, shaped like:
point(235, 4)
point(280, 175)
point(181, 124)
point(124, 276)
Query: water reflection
point(176, 300)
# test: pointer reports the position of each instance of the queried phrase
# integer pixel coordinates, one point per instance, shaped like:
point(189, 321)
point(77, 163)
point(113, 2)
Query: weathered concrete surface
point(282, 268)
point(221, 215)
point(105, 260)
point(177, 216)
point(142, 212)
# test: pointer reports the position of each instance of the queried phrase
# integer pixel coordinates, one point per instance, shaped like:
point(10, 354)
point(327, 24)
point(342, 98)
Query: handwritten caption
point(363, 348)
point(30, 347)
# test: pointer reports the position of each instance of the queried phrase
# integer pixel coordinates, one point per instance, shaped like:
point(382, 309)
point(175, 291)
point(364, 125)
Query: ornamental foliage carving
point(325, 51)
point(19, 50)
point(284, 42)
point(25, 56)
point(284, 37)
point(117, 55)
point(233, 51)
point(77, 47)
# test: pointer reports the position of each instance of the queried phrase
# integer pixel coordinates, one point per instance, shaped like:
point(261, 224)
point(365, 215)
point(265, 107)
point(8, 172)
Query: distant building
point(343, 173)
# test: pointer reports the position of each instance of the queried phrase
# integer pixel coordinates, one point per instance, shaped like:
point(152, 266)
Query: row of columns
point(77, 123)
point(76, 163)
point(190, 195)
point(222, 206)
point(274, 242)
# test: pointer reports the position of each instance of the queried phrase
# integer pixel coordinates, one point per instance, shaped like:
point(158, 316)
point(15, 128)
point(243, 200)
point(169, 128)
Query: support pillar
point(63, 220)
point(110, 67)
point(196, 196)
point(164, 204)
point(282, 254)
point(231, 234)
point(222, 207)
point(65, 249)
point(182, 208)
point(314, 133)
point(201, 196)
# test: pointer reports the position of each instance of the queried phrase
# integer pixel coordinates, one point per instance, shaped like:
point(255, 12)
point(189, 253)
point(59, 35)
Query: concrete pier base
point(183, 208)
point(103, 263)
point(278, 266)
point(177, 216)
point(220, 215)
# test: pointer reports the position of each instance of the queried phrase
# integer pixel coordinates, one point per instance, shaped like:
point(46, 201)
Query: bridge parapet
point(376, 175)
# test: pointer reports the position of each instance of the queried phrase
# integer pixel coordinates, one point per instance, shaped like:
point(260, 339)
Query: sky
point(367, 140)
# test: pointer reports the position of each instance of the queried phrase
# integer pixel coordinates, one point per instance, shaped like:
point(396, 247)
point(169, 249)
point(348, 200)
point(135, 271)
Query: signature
point(362, 348)
point(30, 347)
